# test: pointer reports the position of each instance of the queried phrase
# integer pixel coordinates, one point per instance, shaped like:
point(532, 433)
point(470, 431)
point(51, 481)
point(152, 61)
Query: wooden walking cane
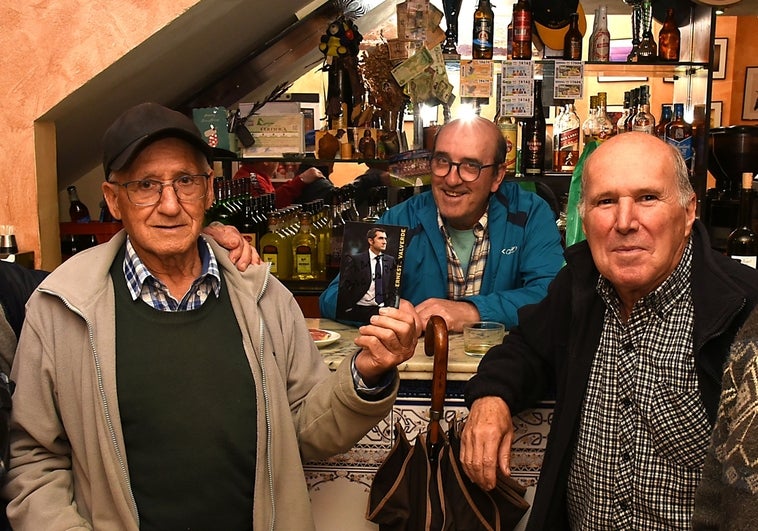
point(435, 345)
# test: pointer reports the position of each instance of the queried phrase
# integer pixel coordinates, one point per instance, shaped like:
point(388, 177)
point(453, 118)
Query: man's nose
point(626, 215)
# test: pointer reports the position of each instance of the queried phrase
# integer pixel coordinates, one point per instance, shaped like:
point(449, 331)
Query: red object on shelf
point(103, 231)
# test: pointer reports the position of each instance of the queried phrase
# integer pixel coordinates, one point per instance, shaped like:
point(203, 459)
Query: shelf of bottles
point(301, 242)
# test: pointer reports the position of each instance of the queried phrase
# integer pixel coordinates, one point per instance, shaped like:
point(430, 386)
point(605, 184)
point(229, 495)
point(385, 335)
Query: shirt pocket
point(678, 426)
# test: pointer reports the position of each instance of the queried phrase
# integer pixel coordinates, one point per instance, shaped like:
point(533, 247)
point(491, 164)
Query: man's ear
point(110, 193)
point(209, 195)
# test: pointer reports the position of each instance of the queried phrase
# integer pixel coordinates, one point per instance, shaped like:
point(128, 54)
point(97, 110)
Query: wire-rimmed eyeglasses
point(468, 171)
point(147, 192)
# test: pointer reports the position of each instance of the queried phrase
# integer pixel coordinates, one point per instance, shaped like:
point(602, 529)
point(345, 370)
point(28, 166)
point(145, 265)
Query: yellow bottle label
point(273, 259)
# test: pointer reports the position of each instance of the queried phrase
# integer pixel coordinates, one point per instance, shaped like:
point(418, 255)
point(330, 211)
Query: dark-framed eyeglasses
point(147, 192)
point(468, 171)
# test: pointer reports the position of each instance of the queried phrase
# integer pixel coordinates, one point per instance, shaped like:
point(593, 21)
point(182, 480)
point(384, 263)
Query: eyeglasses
point(468, 171)
point(147, 192)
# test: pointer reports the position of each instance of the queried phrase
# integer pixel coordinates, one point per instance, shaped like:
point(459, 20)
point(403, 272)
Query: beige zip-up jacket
point(69, 465)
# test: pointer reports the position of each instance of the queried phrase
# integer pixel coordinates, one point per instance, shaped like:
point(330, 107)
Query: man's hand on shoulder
point(389, 340)
point(310, 175)
point(241, 253)
point(455, 313)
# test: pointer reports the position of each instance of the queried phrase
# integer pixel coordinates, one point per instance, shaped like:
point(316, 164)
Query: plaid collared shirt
point(460, 286)
point(142, 284)
point(643, 431)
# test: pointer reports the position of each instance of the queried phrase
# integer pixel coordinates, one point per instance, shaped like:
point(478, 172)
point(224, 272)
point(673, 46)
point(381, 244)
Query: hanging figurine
point(340, 45)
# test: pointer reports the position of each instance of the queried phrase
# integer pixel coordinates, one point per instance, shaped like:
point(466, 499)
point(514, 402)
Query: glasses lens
point(440, 166)
point(469, 171)
point(145, 192)
point(190, 187)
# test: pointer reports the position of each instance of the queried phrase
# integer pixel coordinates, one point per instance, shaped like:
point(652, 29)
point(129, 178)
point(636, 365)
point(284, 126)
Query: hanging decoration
point(340, 46)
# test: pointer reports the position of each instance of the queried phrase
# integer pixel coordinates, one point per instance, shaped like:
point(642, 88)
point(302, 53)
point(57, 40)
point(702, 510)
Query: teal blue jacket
point(525, 254)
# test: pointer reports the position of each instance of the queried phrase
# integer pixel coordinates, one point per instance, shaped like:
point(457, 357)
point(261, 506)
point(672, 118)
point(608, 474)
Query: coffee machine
point(732, 151)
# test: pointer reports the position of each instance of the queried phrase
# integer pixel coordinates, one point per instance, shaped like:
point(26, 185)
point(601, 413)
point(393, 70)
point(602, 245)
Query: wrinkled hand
point(486, 441)
point(310, 175)
point(386, 342)
point(455, 313)
point(241, 253)
point(407, 307)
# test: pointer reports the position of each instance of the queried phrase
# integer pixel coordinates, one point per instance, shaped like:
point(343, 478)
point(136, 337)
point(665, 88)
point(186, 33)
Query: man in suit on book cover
point(369, 279)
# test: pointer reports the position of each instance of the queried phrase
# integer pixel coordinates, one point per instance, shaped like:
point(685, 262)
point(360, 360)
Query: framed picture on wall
point(716, 107)
point(750, 102)
point(719, 58)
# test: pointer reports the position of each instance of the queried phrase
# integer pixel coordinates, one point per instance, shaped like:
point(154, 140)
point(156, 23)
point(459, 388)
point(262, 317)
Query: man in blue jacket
point(477, 248)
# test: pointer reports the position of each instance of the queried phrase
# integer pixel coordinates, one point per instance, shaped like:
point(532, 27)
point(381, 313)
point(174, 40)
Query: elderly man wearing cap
point(158, 387)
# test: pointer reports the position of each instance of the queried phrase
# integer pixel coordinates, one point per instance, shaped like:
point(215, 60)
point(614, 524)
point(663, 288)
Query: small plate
point(323, 338)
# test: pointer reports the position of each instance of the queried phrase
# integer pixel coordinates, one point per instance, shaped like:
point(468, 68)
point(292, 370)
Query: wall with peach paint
point(745, 54)
point(49, 49)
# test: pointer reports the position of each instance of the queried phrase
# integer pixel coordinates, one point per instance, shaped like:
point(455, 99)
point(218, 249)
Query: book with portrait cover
point(370, 269)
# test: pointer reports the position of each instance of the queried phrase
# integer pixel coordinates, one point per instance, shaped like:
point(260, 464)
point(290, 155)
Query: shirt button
point(626, 403)
point(198, 293)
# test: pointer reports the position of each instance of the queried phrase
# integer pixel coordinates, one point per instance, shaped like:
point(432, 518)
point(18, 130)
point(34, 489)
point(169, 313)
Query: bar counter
point(460, 367)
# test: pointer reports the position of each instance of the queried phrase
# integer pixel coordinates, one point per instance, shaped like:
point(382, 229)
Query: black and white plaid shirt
point(643, 430)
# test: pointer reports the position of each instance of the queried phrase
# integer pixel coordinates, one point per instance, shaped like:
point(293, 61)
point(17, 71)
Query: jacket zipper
point(267, 413)
point(101, 390)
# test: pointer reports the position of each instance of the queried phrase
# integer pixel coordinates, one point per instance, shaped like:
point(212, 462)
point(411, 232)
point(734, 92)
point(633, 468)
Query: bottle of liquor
point(77, 210)
point(572, 41)
point(484, 31)
point(644, 121)
point(522, 30)
point(666, 115)
point(625, 114)
point(305, 250)
point(275, 249)
point(601, 38)
point(589, 124)
point(509, 130)
point(566, 143)
point(634, 107)
point(679, 134)
point(533, 142)
point(742, 243)
point(669, 39)
point(647, 52)
point(603, 125)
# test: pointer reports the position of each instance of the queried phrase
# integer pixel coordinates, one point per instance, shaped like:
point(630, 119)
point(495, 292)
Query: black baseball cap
point(143, 124)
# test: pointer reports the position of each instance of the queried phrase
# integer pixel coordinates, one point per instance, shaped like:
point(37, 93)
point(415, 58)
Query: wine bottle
point(533, 142)
point(742, 243)
point(77, 210)
point(572, 41)
point(484, 31)
point(669, 39)
point(522, 30)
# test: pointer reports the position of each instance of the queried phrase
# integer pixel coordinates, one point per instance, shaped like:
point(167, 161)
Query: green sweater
point(187, 402)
